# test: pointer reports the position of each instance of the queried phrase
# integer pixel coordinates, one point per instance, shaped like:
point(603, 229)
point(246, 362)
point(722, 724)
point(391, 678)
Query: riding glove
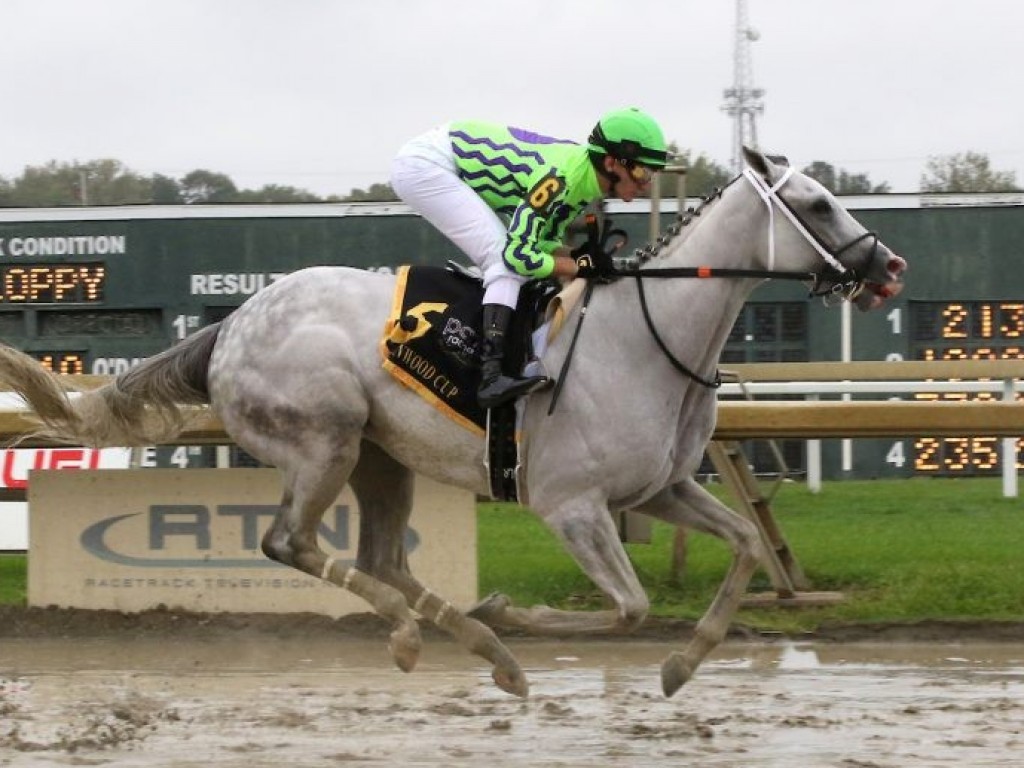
point(593, 262)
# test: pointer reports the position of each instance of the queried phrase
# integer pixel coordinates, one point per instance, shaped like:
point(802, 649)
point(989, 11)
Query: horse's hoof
point(512, 681)
point(405, 646)
point(675, 671)
point(491, 609)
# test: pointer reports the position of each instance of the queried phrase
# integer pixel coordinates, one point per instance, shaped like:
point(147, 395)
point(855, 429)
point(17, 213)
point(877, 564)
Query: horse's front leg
point(586, 529)
point(688, 504)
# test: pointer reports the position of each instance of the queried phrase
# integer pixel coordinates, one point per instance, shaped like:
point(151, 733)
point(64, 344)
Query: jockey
point(506, 196)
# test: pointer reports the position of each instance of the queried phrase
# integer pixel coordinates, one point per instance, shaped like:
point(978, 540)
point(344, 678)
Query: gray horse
point(628, 432)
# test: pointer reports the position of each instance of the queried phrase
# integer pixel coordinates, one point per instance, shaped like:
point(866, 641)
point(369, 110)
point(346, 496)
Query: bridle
point(843, 282)
point(834, 283)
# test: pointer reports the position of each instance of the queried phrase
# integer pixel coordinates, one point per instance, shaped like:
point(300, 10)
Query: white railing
point(946, 382)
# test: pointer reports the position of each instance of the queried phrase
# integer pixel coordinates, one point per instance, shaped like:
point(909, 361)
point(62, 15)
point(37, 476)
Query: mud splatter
point(247, 700)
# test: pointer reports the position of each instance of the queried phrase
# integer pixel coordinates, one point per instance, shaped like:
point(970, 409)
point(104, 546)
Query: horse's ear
point(758, 162)
point(755, 160)
point(761, 163)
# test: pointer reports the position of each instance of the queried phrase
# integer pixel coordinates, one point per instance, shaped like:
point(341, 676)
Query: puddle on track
point(187, 703)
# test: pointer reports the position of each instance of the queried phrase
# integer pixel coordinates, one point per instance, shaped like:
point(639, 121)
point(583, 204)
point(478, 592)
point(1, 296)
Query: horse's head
point(850, 262)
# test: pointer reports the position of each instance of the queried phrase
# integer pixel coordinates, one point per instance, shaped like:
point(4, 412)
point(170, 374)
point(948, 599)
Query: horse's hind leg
point(310, 487)
point(588, 533)
point(384, 489)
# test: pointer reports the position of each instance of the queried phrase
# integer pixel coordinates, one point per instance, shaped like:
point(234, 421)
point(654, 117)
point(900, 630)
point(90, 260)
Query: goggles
point(642, 175)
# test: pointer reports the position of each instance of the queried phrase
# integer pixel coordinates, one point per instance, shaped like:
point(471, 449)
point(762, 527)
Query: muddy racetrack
point(169, 689)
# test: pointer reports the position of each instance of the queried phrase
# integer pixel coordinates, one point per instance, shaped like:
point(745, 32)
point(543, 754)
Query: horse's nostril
point(896, 265)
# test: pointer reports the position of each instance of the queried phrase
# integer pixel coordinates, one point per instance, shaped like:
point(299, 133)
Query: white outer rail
point(1005, 389)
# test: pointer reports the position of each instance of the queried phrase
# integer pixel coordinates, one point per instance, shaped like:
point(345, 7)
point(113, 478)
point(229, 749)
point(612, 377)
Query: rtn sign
point(194, 527)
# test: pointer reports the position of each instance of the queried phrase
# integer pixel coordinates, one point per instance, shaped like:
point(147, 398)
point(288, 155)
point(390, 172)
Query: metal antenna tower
point(743, 101)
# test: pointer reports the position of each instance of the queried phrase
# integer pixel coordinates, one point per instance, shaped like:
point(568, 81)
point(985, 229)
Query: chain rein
point(846, 284)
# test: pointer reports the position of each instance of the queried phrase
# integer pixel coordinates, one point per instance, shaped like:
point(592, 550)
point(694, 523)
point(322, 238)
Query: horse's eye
point(821, 206)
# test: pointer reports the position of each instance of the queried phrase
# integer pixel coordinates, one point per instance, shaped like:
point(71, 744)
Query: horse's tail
point(147, 404)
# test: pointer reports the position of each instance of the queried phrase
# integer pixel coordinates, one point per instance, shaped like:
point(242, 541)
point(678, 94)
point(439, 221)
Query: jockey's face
point(631, 180)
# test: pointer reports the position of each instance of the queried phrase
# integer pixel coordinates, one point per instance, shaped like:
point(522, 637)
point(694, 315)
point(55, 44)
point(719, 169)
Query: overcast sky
point(319, 94)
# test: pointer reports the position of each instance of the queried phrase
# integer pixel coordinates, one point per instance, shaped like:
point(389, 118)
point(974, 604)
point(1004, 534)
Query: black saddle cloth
point(432, 338)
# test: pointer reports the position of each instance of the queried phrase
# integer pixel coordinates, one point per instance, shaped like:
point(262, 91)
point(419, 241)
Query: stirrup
point(505, 389)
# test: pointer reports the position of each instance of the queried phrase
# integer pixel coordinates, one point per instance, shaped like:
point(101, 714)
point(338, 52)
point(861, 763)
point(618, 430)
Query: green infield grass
point(899, 551)
point(903, 550)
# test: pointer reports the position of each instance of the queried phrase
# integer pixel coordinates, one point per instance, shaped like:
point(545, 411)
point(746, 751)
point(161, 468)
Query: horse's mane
point(684, 223)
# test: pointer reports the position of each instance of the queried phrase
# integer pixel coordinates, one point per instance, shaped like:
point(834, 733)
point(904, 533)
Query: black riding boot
point(495, 387)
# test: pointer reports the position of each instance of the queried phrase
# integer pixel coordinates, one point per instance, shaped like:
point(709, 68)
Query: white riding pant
point(424, 176)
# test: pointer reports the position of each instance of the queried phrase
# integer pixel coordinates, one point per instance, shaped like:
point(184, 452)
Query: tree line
point(110, 182)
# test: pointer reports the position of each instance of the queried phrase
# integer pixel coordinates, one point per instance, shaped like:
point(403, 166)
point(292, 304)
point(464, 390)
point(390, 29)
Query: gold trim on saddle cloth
point(395, 334)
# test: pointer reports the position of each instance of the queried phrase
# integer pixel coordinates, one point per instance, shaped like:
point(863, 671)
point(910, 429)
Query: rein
point(714, 383)
point(668, 272)
point(697, 272)
point(844, 282)
point(704, 272)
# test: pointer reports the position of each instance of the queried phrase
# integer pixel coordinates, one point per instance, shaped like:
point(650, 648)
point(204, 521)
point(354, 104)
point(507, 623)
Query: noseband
point(835, 282)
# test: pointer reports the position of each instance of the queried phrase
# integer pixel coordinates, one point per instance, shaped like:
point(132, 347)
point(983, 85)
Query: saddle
point(431, 344)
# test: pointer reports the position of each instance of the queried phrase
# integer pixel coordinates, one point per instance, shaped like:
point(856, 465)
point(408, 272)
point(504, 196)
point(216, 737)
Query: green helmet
point(630, 135)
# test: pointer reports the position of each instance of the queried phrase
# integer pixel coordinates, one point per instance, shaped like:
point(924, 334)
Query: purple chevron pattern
point(484, 141)
point(535, 138)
